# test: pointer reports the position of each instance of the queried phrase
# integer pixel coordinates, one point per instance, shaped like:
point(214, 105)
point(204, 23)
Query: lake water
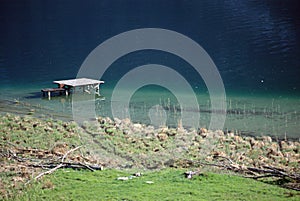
point(254, 44)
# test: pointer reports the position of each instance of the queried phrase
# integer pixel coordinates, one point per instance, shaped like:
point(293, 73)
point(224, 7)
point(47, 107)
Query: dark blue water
point(254, 44)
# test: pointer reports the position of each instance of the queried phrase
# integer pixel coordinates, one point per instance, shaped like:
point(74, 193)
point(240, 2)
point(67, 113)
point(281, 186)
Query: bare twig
point(71, 150)
point(62, 164)
point(261, 176)
point(216, 156)
point(47, 172)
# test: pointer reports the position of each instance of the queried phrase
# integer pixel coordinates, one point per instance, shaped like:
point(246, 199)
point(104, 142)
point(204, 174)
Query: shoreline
point(186, 138)
point(23, 108)
point(121, 144)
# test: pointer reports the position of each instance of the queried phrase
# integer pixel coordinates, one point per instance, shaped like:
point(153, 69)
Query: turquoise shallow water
point(273, 115)
point(254, 44)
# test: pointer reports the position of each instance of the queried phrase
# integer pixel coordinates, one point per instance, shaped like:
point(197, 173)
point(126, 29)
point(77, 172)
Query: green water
point(258, 115)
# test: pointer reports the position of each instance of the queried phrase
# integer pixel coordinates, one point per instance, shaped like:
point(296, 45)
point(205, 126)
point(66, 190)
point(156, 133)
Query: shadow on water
point(34, 95)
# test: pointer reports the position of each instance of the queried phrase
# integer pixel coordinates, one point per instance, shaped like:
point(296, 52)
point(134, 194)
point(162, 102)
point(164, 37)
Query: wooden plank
point(53, 89)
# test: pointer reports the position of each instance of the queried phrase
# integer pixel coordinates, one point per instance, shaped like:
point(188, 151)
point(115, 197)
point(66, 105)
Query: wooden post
point(97, 91)
point(49, 95)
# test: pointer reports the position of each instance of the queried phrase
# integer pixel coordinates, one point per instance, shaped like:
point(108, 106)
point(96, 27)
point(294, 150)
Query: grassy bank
point(122, 148)
point(168, 184)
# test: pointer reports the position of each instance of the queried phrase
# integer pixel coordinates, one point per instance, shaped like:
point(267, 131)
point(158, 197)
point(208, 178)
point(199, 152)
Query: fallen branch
point(49, 171)
point(275, 172)
point(255, 172)
point(260, 176)
point(228, 159)
point(62, 164)
point(63, 158)
point(69, 165)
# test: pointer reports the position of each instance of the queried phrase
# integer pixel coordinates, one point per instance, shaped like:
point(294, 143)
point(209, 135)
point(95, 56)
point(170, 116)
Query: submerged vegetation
point(28, 144)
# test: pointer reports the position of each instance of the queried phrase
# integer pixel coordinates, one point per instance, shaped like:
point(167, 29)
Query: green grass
point(169, 184)
point(116, 149)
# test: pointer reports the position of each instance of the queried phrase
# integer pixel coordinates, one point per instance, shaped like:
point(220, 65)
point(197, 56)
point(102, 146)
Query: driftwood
point(63, 158)
point(248, 172)
point(56, 167)
point(46, 159)
point(264, 171)
point(72, 165)
point(47, 172)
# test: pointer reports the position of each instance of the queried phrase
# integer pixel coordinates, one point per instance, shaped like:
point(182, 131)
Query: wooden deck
point(67, 85)
point(48, 91)
point(79, 82)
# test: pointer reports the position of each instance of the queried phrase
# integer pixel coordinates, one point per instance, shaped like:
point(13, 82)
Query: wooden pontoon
point(67, 85)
